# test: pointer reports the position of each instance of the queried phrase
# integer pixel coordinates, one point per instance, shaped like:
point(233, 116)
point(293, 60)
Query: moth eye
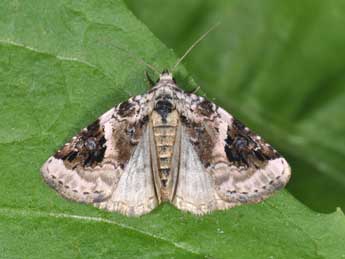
point(90, 144)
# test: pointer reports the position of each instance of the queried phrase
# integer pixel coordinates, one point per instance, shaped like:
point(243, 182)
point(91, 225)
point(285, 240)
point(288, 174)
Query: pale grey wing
point(195, 190)
point(135, 192)
point(244, 168)
point(89, 167)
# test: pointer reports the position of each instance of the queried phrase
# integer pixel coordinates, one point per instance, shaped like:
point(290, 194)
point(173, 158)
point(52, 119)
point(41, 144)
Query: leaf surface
point(61, 66)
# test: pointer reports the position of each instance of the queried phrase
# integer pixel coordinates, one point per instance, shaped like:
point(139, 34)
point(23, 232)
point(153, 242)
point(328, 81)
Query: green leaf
point(278, 66)
point(61, 65)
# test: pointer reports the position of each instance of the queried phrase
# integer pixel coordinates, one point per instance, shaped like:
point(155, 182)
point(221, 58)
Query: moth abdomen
point(164, 133)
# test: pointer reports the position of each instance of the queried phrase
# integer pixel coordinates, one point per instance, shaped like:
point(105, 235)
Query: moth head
point(165, 83)
point(163, 100)
point(167, 77)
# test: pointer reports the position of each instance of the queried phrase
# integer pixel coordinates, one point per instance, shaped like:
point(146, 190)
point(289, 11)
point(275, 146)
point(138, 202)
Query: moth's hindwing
point(195, 191)
point(135, 192)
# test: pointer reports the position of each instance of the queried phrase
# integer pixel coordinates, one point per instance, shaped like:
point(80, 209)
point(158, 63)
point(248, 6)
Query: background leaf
point(60, 67)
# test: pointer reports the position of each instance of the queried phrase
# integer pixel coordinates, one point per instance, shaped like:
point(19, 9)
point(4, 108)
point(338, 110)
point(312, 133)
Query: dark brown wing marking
point(86, 149)
point(244, 148)
point(126, 109)
point(202, 138)
point(126, 136)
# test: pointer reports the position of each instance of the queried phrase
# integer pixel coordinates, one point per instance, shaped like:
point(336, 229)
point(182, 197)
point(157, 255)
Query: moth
point(166, 146)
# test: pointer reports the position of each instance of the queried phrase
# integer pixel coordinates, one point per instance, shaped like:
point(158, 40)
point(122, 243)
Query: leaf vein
point(25, 213)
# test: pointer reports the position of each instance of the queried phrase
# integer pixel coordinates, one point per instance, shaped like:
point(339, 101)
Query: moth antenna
point(195, 90)
point(150, 82)
point(139, 59)
point(193, 45)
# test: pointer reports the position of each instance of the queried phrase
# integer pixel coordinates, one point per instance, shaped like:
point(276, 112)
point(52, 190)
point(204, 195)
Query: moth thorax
point(164, 130)
point(164, 103)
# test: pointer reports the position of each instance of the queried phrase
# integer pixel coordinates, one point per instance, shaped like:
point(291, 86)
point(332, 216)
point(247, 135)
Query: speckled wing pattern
point(94, 166)
point(166, 146)
point(243, 167)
